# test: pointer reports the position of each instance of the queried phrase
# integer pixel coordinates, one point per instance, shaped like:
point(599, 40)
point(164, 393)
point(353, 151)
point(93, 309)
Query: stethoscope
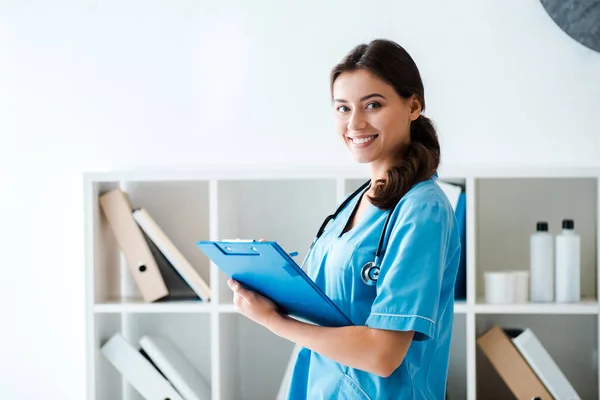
point(369, 273)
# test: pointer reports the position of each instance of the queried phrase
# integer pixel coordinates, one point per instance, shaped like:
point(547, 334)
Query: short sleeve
point(412, 269)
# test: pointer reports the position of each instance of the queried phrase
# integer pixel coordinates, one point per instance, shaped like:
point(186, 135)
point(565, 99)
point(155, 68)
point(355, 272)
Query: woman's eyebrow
point(367, 97)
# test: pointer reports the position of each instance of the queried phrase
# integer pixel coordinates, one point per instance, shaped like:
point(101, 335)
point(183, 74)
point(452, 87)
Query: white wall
point(84, 85)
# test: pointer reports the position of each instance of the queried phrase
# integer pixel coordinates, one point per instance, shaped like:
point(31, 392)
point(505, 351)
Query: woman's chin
point(362, 158)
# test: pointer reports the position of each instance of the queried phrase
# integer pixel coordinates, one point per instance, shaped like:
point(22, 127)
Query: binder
point(460, 286)
point(176, 368)
point(178, 288)
point(457, 198)
point(118, 211)
point(138, 371)
point(264, 267)
point(172, 253)
point(544, 366)
point(508, 362)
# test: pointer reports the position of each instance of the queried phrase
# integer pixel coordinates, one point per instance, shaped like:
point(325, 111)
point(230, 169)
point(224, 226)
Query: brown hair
point(417, 162)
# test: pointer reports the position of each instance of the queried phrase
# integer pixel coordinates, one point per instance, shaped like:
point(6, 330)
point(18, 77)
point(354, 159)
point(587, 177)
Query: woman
point(400, 344)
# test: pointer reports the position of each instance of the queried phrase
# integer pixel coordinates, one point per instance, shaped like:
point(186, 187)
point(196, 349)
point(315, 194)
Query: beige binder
point(508, 362)
point(143, 267)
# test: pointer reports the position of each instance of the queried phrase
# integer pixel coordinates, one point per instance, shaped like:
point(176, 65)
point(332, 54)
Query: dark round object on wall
point(580, 19)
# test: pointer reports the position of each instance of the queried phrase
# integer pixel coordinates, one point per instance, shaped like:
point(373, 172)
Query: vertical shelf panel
point(471, 200)
point(598, 272)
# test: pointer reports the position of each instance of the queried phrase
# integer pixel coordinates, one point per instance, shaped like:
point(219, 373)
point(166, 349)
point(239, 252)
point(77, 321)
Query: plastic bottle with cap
point(541, 264)
point(568, 264)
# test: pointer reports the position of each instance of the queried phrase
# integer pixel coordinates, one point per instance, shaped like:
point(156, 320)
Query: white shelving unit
point(242, 360)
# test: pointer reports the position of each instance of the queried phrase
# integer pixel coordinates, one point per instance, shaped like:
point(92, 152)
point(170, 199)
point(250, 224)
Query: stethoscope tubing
point(371, 267)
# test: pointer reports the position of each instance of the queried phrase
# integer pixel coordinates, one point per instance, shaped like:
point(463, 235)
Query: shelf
point(137, 305)
point(140, 306)
point(587, 306)
point(226, 308)
point(460, 307)
point(242, 359)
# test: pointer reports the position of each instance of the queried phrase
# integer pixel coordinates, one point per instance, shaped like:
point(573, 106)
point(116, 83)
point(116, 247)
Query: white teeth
point(362, 140)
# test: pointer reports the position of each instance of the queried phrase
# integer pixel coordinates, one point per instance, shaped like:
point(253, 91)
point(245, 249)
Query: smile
point(364, 140)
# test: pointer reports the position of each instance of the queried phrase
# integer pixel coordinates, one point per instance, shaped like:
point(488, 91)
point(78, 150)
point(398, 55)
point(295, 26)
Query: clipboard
point(264, 267)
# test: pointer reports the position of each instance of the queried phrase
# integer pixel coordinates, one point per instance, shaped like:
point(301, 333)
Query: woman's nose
point(357, 121)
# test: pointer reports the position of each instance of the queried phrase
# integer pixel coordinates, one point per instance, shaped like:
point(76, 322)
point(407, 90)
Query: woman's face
point(371, 118)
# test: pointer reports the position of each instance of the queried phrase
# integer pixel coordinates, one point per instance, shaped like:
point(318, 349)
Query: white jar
point(499, 287)
point(521, 294)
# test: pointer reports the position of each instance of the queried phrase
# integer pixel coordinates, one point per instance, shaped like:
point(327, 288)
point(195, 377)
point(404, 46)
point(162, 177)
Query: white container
point(521, 294)
point(541, 264)
point(568, 264)
point(499, 287)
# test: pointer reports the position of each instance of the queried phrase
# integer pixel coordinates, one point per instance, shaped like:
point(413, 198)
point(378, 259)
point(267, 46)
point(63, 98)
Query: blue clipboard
point(264, 267)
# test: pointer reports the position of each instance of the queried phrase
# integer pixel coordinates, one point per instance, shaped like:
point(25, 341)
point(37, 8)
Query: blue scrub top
point(414, 291)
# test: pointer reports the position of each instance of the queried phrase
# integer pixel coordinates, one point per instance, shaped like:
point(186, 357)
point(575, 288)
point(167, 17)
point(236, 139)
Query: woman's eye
point(374, 104)
point(342, 109)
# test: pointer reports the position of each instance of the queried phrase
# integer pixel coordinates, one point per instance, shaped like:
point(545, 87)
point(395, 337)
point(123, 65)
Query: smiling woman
point(400, 301)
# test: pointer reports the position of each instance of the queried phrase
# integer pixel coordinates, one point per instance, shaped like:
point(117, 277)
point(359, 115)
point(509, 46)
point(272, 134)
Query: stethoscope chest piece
point(370, 273)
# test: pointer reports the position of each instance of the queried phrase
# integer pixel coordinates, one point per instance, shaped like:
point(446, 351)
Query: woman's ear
point(415, 107)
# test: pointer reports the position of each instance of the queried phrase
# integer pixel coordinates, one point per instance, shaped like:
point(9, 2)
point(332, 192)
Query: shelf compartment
point(181, 209)
point(189, 333)
point(508, 210)
point(253, 359)
point(274, 210)
point(575, 351)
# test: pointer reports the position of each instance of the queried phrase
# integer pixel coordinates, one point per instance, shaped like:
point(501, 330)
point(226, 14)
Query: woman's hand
point(251, 304)
point(254, 306)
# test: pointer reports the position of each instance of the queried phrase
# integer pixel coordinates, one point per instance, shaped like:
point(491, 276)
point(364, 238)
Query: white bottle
point(541, 264)
point(568, 264)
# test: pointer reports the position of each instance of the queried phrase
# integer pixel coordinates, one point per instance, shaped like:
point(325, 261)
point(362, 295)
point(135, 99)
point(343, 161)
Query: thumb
point(239, 289)
point(263, 240)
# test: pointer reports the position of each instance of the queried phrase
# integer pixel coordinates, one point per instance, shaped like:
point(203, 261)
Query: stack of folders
point(159, 269)
point(525, 365)
point(158, 370)
point(456, 195)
